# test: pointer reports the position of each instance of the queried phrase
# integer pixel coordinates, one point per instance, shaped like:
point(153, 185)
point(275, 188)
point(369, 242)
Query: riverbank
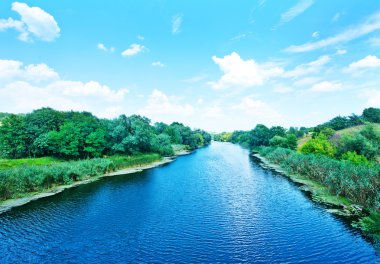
point(8, 204)
point(319, 193)
point(364, 220)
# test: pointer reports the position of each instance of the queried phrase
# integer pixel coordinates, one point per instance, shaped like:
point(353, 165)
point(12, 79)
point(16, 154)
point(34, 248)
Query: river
point(215, 205)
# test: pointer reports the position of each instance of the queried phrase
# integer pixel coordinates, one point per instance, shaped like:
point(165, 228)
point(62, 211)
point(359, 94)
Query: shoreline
point(9, 204)
point(319, 193)
point(362, 218)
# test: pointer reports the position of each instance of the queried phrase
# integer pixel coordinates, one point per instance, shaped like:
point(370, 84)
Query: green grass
point(355, 129)
point(14, 163)
point(30, 176)
point(121, 161)
point(302, 141)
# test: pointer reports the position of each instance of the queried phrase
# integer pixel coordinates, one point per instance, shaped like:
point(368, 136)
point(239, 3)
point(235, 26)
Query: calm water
point(216, 205)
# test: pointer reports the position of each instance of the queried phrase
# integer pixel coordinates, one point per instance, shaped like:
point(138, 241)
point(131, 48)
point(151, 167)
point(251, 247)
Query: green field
point(14, 163)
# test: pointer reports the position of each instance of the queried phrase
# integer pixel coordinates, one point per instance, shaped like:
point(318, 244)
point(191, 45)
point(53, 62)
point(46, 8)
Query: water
point(216, 205)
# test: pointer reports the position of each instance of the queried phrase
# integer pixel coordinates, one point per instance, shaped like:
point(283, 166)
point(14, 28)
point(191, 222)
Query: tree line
point(361, 146)
point(77, 135)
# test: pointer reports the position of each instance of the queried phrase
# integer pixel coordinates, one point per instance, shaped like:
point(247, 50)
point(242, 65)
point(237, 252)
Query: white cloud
point(11, 23)
point(283, 89)
point(162, 107)
point(370, 61)
point(373, 98)
point(315, 34)
point(375, 41)
point(336, 17)
point(176, 23)
point(158, 64)
point(195, 79)
point(256, 108)
point(213, 112)
point(371, 24)
point(103, 47)
point(40, 72)
point(295, 11)
point(241, 36)
point(35, 23)
point(139, 37)
point(90, 89)
point(307, 81)
point(242, 73)
point(308, 68)
point(341, 52)
point(11, 70)
point(133, 49)
point(326, 86)
point(27, 87)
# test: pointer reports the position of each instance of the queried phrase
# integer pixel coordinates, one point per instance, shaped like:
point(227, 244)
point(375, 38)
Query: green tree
point(13, 137)
point(95, 143)
point(355, 158)
point(372, 114)
point(319, 145)
point(161, 144)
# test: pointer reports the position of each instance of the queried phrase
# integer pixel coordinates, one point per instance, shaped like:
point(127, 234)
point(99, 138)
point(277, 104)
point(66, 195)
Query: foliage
point(77, 135)
point(355, 158)
point(13, 138)
point(289, 141)
point(372, 115)
point(161, 144)
point(223, 137)
point(365, 142)
point(319, 145)
point(13, 163)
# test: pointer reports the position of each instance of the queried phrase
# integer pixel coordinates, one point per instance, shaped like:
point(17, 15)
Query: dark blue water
point(216, 205)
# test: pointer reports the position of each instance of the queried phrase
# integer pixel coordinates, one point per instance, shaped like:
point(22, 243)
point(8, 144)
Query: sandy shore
point(12, 203)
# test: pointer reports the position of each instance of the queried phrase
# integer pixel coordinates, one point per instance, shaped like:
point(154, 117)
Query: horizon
point(224, 67)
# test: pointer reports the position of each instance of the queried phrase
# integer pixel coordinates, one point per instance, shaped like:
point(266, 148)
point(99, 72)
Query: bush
point(319, 145)
point(355, 158)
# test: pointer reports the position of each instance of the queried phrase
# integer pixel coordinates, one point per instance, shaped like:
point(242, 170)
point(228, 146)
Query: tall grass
point(13, 163)
point(16, 182)
point(359, 183)
point(136, 160)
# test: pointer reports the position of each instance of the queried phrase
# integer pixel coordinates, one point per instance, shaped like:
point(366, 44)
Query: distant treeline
point(264, 136)
point(76, 135)
point(371, 115)
point(358, 146)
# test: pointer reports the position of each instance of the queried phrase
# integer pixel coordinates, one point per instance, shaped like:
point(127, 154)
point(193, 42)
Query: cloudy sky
point(216, 65)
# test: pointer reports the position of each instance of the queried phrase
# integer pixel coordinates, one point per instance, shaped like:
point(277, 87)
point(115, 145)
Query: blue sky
point(216, 65)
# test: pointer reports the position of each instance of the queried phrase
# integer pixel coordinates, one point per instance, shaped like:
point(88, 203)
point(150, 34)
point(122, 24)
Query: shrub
point(355, 158)
point(319, 145)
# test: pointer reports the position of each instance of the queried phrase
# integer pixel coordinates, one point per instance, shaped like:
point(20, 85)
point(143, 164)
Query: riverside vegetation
point(46, 148)
point(337, 160)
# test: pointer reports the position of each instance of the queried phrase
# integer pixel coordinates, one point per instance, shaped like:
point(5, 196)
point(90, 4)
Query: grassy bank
point(25, 179)
point(354, 188)
point(14, 163)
